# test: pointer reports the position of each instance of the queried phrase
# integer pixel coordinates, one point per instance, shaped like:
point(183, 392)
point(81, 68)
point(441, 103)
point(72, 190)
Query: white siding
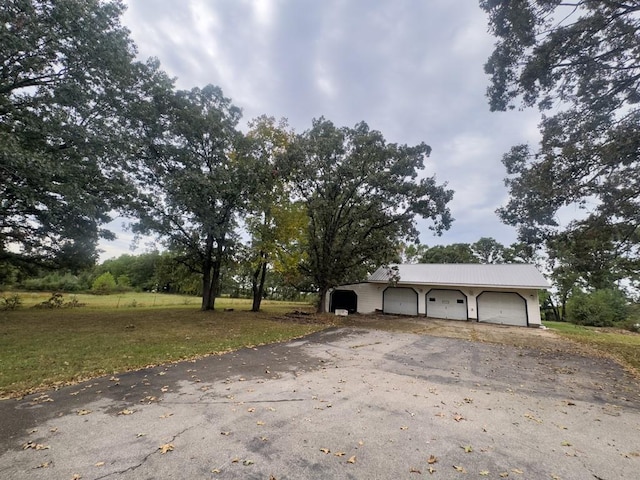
point(369, 296)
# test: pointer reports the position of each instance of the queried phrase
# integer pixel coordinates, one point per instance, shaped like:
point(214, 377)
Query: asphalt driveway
point(344, 403)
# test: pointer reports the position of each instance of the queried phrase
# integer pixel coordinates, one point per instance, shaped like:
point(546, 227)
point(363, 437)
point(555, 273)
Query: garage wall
point(369, 296)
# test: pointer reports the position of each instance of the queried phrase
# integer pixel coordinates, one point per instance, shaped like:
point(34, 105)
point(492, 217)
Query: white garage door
point(400, 300)
point(446, 304)
point(501, 307)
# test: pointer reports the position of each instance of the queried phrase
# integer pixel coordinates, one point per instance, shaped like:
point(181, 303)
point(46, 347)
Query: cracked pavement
point(343, 403)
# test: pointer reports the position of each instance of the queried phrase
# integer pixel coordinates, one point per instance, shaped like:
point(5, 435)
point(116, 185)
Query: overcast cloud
point(412, 69)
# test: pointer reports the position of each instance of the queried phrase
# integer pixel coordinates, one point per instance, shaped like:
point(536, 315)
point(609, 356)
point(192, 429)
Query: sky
point(412, 69)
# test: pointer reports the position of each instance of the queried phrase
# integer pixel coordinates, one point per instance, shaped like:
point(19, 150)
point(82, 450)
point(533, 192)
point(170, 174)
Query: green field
point(43, 348)
point(622, 345)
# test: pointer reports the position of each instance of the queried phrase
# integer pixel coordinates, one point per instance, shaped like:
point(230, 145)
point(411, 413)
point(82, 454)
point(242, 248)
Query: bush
point(10, 302)
point(57, 300)
point(602, 308)
point(55, 282)
point(104, 284)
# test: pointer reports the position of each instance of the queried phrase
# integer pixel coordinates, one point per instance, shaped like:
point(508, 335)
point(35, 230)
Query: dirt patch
point(535, 338)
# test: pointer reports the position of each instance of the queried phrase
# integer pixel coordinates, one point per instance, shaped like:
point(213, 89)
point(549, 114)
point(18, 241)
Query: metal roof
point(465, 274)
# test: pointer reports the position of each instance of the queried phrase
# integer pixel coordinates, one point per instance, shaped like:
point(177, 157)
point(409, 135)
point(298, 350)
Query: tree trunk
point(207, 264)
point(323, 297)
point(258, 281)
point(217, 266)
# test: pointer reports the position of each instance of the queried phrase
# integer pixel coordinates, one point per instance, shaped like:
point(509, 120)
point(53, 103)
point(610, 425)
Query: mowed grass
point(623, 345)
point(41, 349)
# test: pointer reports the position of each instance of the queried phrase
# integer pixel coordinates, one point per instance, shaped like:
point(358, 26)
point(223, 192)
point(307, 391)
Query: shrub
point(104, 284)
point(602, 308)
point(10, 302)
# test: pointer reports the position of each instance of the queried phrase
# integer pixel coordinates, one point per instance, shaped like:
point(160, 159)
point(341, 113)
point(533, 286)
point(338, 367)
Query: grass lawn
point(623, 345)
point(44, 348)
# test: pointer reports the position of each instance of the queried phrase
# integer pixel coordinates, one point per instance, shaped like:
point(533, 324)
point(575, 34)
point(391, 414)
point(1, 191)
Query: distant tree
point(410, 252)
point(488, 250)
point(195, 179)
point(67, 76)
point(454, 253)
point(104, 284)
point(578, 61)
point(362, 196)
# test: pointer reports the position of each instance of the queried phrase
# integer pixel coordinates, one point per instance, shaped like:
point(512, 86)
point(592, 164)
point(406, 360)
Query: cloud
point(409, 68)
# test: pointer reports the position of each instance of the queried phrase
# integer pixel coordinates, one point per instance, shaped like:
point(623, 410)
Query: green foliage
point(454, 253)
point(362, 197)
point(68, 77)
point(581, 60)
point(10, 301)
point(104, 284)
point(195, 178)
point(56, 282)
point(601, 308)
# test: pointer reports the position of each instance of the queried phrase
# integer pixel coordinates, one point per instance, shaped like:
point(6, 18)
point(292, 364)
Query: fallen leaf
point(83, 412)
point(76, 476)
point(468, 400)
point(325, 450)
point(259, 422)
point(441, 414)
point(126, 411)
point(460, 469)
point(404, 427)
point(360, 442)
point(247, 463)
point(44, 465)
point(215, 470)
point(167, 447)
point(264, 439)
point(414, 470)
point(457, 417)
point(339, 454)
point(517, 470)
point(166, 415)
point(432, 459)
point(431, 470)
point(504, 474)
point(352, 459)
point(99, 464)
point(484, 473)
point(140, 435)
point(226, 434)
point(467, 448)
point(251, 410)
point(566, 444)
point(554, 477)
point(53, 430)
point(235, 460)
point(35, 446)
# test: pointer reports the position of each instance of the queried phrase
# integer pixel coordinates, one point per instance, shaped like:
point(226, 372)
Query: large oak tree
point(67, 74)
point(579, 62)
point(363, 196)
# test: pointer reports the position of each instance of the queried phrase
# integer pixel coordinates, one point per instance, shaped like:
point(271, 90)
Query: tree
point(104, 284)
point(454, 253)
point(195, 179)
point(362, 196)
point(275, 223)
point(580, 60)
point(488, 250)
point(67, 73)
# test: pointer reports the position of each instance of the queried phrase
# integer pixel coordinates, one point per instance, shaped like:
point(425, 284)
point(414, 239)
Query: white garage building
point(506, 294)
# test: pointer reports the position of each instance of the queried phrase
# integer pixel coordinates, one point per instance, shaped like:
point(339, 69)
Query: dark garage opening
point(344, 299)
